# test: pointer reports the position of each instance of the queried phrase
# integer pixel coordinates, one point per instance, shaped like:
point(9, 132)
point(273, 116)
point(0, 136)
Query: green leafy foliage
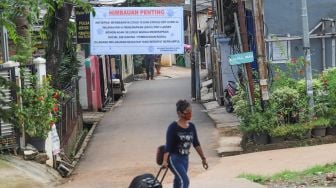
point(328, 78)
point(288, 74)
point(141, 3)
point(287, 104)
point(320, 122)
point(291, 176)
point(259, 122)
point(69, 65)
point(6, 21)
point(40, 108)
point(291, 130)
point(254, 178)
point(287, 111)
point(58, 31)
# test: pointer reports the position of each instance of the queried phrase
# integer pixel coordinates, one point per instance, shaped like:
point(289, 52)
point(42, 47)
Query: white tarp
point(137, 30)
point(56, 146)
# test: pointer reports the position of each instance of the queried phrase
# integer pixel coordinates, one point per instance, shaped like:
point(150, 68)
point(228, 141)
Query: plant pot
point(319, 131)
point(261, 139)
point(331, 131)
point(38, 143)
point(277, 139)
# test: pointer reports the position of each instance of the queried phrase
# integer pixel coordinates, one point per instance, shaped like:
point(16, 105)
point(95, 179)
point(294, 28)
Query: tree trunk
point(59, 36)
point(23, 45)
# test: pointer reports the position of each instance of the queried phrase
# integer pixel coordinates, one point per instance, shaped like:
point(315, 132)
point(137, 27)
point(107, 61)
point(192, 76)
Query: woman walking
point(181, 134)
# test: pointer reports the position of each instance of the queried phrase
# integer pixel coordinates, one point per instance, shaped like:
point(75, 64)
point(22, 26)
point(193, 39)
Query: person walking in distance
point(181, 134)
point(158, 63)
point(149, 64)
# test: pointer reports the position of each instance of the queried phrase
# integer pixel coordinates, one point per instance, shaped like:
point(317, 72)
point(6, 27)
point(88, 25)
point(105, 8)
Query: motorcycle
point(229, 92)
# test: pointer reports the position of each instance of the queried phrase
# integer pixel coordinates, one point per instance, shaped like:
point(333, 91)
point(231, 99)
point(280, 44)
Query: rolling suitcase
point(148, 180)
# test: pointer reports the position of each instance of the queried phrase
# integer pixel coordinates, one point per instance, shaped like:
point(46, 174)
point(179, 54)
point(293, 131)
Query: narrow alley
point(125, 141)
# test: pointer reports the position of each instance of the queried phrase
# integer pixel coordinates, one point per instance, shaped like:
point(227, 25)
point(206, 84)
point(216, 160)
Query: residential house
point(283, 35)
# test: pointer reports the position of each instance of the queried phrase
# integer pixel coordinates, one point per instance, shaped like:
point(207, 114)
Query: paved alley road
point(125, 141)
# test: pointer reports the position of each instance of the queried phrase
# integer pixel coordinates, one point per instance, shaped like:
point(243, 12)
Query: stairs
point(227, 125)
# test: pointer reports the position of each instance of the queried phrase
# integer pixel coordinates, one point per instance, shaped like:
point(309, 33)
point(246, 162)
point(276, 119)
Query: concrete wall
point(70, 147)
point(127, 66)
point(284, 17)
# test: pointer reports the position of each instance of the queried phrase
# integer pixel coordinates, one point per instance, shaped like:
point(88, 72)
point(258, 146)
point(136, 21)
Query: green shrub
point(258, 123)
point(320, 122)
point(291, 130)
point(287, 104)
point(40, 108)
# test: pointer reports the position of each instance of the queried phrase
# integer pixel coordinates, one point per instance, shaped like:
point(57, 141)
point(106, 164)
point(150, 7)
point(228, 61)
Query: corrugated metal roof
point(107, 2)
point(201, 4)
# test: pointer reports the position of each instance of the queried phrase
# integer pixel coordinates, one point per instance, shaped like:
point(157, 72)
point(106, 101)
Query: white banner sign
point(137, 30)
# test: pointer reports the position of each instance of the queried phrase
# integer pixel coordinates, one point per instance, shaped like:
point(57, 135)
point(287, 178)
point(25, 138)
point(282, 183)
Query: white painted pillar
point(40, 65)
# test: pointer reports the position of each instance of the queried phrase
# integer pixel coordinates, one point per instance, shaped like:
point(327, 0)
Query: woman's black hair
point(182, 105)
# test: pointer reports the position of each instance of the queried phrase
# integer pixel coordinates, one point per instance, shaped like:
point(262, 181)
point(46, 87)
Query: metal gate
point(7, 134)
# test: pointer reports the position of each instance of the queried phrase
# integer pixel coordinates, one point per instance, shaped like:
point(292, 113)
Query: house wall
point(83, 96)
point(202, 21)
point(284, 17)
point(70, 147)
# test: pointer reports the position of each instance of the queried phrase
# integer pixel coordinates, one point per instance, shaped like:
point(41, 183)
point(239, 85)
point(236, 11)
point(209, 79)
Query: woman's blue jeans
point(179, 167)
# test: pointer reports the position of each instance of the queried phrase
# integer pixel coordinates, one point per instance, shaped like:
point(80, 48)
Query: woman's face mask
point(187, 115)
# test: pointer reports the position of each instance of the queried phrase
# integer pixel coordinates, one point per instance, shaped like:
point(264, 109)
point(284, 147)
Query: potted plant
point(319, 126)
point(39, 111)
point(260, 126)
point(328, 78)
point(278, 134)
point(331, 129)
point(286, 102)
point(257, 124)
point(299, 131)
point(296, 131)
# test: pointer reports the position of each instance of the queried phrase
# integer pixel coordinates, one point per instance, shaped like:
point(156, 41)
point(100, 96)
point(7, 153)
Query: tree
point(56, 24)
point(141, 3)
point(6, 114)
point(18, 17)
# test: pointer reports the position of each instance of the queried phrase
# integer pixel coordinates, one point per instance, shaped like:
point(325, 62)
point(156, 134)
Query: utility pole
point(4, 42)
point(195, 66)
point(307, 58)
point(261, 58)
point(244, 65)
point(245, 48)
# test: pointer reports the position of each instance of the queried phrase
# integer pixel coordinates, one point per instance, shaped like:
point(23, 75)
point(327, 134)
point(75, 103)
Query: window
point(279, 50)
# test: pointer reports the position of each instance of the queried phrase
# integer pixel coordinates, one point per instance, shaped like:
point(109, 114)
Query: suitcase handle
point(164, 174)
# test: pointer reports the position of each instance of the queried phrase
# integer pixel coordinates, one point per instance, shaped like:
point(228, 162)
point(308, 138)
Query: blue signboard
point(241, 58)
